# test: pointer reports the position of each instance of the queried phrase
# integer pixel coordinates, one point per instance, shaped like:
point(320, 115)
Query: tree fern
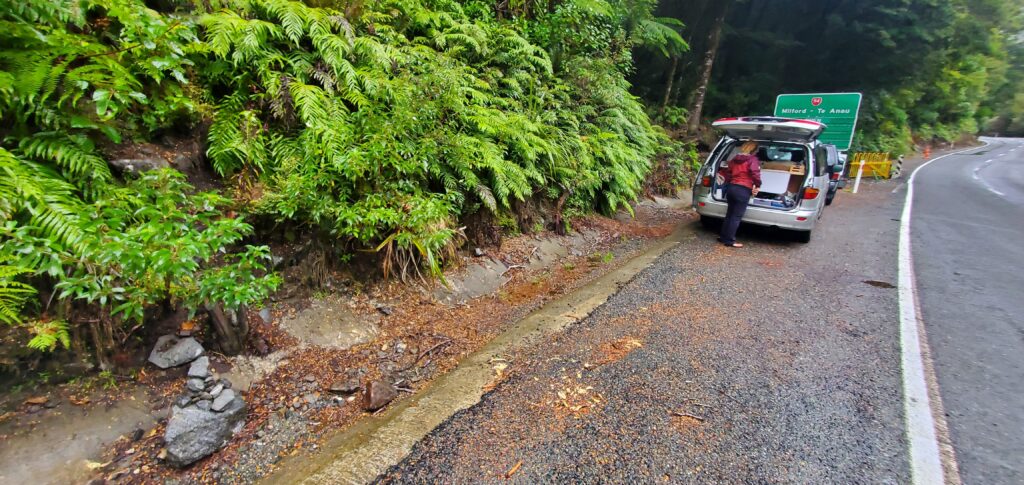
point(13, 294)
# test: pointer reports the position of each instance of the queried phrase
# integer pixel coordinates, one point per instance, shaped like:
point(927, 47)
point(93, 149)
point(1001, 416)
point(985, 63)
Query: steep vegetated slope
point(365, 125)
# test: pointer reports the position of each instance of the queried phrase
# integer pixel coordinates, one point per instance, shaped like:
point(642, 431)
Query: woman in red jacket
point(743, 180)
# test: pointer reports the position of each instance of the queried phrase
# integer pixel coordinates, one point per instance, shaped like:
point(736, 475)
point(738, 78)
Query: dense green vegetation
point(931, 70)
point(368, 125)
point(383, 127)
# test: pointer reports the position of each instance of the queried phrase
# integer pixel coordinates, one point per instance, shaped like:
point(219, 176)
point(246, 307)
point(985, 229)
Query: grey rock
point(223, 400)
point(385, 310)
point(204, 405)
point(136, 165)
point(193, 433)
point(226, 383)
point(377, 395)
point(172, 351)
point(205, 395)
point(311, 398)
point(265, 314)
point(309, 378)
point(350, 386)
point(478, 252)
point(217, 390)
point(200, 368)
point(195, 385)
point(182, 401)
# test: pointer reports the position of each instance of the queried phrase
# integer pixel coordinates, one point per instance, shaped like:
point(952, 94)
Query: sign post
point(838, 111)
point(860, 173)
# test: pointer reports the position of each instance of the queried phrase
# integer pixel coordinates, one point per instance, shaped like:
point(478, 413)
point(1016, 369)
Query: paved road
point(968, 245)
point(777, 363)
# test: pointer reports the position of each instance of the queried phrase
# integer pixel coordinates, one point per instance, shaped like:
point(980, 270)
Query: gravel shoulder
point(776, 363)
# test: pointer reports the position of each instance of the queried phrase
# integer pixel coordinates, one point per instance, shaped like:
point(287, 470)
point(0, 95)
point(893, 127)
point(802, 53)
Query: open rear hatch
point(770, 128)
point(784, 172)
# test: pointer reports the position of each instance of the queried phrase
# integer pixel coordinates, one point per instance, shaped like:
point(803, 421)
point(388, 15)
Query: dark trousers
point(738, 197)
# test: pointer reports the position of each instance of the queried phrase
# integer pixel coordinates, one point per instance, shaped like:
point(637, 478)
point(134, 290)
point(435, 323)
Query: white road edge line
point(984, 182)
point(926, 463)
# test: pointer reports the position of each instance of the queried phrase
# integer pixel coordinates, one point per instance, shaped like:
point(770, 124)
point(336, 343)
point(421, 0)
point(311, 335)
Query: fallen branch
point(428, 351)
point(686, 415)
point(514, 469)
point(510, 268)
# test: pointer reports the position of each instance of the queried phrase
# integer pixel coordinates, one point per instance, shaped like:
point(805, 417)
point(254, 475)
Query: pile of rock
point(206, 417)
point(204, 390)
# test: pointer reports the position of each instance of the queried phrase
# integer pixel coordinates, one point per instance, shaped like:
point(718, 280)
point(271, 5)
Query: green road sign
point(837, 110)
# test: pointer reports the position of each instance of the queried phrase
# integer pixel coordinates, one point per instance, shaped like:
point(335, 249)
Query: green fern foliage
point(13, 293)
point(386, 127)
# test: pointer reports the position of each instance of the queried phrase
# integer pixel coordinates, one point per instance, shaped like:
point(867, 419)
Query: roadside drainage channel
point(368, 448)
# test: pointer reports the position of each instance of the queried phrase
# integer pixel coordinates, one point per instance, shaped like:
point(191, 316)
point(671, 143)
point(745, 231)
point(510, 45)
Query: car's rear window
point(769, 152)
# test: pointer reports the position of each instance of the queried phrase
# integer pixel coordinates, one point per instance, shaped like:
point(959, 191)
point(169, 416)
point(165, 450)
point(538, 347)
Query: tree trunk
point(103, 343)
point(705, 77)
point(668, 83)
point(231, 339)
point(559, 206)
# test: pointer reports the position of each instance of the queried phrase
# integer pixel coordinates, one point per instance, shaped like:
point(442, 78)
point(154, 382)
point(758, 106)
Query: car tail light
point(801, 219)
point(835, 176)
point(810, 193)
point(706, 181)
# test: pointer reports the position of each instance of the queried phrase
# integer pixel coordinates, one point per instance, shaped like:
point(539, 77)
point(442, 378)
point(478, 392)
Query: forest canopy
point(930, 70)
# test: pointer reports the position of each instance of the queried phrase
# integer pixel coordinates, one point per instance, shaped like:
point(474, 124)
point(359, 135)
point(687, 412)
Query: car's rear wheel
point(709, 222)
point(829, 198)
point(803, 236)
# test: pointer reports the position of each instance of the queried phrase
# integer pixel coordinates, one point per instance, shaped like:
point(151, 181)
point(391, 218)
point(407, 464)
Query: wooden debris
point(515, 468)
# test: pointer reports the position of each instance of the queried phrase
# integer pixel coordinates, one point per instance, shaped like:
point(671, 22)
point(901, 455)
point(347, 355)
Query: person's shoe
point(734, 245)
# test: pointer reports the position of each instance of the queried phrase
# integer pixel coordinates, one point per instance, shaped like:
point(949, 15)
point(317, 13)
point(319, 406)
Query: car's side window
point(833, 156)
point(820, 160)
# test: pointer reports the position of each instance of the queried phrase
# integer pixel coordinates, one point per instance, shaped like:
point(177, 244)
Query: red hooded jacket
point(743, 170)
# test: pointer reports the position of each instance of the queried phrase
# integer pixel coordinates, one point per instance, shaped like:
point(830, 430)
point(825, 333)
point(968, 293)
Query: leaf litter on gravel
point(616, 350)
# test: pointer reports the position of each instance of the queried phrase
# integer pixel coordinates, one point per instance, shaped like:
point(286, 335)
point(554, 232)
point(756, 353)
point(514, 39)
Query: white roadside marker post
point(860, 173)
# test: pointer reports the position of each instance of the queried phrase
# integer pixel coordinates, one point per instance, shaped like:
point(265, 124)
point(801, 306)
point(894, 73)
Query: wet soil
point(415, 338)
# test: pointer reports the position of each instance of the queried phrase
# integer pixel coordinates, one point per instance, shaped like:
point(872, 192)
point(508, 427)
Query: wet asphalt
point(968, 257)
point(776, 363)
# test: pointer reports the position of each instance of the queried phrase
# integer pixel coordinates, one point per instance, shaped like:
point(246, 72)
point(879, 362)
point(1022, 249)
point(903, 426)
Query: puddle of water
point(57, 449)
point(362, 452)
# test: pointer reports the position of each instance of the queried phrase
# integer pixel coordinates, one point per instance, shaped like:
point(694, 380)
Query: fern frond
point(13, 293)
point(74, 155)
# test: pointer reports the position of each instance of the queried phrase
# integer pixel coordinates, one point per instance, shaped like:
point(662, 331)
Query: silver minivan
point(794, 173)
